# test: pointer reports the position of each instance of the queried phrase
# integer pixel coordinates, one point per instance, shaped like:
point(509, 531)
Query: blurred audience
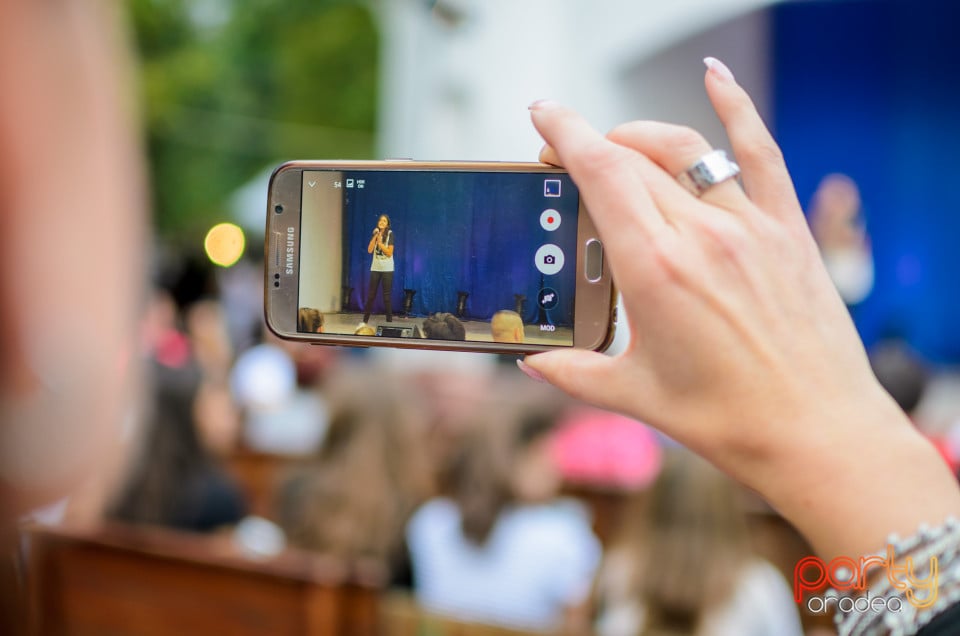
point(905, 376)
point(683, 566)
point(603, 449)
point(901, 372)
point(370, 474)
point(503, 548)
point(176, 482)
point(278, 386)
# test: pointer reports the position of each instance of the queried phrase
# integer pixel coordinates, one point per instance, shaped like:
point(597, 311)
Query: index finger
point(605, 172)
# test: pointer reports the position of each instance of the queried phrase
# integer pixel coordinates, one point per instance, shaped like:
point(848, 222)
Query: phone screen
point(453, 255)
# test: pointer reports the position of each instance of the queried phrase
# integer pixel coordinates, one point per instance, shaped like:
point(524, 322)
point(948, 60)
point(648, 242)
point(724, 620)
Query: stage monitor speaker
point(399, 330)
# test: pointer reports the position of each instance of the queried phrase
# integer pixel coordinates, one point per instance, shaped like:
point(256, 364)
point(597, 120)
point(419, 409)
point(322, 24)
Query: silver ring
point(712, 168)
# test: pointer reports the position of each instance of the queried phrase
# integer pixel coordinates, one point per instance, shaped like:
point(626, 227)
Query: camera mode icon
point(549, 259)
point(548, 298)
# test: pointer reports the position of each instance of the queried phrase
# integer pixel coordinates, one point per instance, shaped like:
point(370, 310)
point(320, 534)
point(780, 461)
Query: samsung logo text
point(289, 252)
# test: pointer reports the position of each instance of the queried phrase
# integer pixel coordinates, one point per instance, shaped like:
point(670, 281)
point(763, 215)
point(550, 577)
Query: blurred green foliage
point(230, 87)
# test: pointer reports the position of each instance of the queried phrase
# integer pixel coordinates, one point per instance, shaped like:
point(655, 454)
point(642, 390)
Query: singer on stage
point(381, 269)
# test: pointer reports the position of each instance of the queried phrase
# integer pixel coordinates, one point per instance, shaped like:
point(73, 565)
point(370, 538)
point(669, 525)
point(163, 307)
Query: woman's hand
point(741, 348)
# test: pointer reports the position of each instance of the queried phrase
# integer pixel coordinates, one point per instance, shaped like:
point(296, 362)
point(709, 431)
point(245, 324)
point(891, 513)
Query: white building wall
point(458, 75)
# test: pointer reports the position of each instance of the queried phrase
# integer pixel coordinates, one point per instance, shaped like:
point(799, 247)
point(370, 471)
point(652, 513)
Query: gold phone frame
point(594, 309)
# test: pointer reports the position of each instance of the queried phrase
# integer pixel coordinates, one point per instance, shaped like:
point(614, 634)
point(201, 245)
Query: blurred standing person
point(836, 220)
point(683, 566)
point(503, 548)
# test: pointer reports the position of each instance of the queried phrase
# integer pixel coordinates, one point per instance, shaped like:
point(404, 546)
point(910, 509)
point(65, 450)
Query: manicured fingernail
point(543, 104)
point(530, 372)
point(719, 68)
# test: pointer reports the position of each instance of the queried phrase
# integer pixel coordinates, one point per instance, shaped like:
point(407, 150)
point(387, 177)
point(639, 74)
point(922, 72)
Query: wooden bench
point(260, 476)
point(400, 615)
point(137, 581)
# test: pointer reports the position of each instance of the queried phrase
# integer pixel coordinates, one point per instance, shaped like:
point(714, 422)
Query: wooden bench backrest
point(139, 582)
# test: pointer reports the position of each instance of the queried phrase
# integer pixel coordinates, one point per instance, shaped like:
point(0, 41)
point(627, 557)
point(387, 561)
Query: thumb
point(591, 377)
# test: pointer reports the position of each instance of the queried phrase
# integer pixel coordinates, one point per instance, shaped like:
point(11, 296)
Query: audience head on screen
point(365, 330)
point(444, 326)
point(507, 326)
point(369, 475)
point(309, 320)
point(504, 459)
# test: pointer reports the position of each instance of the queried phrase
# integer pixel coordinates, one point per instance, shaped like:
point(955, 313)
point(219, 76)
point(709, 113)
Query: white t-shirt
point(537, 560)
point(761, 605)
point(382, 262)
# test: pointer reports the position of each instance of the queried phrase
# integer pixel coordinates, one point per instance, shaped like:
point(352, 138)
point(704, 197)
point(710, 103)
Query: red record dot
point(550, 219)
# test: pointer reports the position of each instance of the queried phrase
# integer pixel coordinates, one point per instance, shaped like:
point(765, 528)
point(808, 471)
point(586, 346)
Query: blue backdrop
point(871, 88)
point(475, 232)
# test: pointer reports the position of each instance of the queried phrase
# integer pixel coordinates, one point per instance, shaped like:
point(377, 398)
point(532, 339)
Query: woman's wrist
point(848, 486)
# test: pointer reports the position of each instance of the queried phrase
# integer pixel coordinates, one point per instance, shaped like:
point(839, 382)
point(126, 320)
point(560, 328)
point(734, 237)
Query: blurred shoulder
point(436, 513)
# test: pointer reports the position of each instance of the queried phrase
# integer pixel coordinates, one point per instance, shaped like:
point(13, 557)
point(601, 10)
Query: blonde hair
point(510, 423)
point(365, 330)
point(504, 324)
point(370, 474)
point(687, 541)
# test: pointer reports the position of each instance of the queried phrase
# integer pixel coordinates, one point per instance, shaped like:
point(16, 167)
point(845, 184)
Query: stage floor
point(346, 323)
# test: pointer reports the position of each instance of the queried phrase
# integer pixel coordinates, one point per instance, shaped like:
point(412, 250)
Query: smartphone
point(468, 256)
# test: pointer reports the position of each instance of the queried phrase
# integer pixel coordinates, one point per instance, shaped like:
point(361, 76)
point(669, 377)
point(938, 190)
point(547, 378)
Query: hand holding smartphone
point(475, 256)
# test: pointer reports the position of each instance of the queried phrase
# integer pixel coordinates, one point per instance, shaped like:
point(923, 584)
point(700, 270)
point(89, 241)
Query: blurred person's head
point(207, 330)
point(687, 542)
point(164, 484)
point(309, 320)
point(507, 326)
point(835, 213)
point(837, 226)
point(313, 364)
point(370, 472)
point(365, 330)
point(383, 223)
point(71, 180)
point(444, 326)
point(901, 372)
point(505, 458)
